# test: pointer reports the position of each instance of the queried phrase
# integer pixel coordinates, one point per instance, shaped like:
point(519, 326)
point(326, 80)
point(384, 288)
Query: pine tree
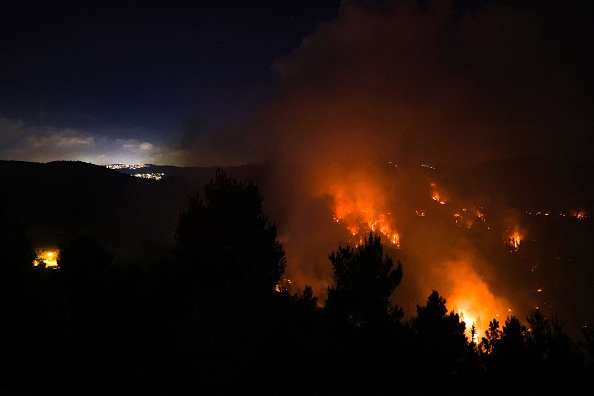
point(365, 280)
point(226, 239)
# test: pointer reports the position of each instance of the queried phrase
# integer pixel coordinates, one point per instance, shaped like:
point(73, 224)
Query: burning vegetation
point(387, 202)
point(47, 258)
point(231, 285)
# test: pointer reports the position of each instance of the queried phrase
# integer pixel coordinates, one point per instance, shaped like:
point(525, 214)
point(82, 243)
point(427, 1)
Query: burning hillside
point(387, 200)
point(479, 254)
point(370, 106)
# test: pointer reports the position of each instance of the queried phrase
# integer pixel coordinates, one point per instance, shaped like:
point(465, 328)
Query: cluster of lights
point(126, 166)
point(578, 214)
point(151, 176)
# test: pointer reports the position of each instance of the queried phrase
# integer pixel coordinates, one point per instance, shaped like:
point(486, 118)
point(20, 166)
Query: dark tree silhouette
point(365, 280)
point(513, 339)
point(17, 252)
point(226, 240)
point(440, 337)
point(83, 257)
point(540, 332)
point(306, 299)
point(491, 339)
point(510, 357)
point(549, 347)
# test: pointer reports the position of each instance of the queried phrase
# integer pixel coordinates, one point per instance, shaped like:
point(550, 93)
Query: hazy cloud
point(30, 142)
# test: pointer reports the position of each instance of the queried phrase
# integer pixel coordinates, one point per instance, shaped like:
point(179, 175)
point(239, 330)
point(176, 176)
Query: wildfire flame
point(435, 194)
point(471, 298)
point(466, 218)
point(360, 208)
point(360, 223)
point(580, 214)
point(514, 240)
point(46, 257)
point(359, 202)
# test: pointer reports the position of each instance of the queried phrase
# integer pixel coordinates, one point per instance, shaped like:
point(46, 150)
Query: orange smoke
point(359, 205)
point(469, 295)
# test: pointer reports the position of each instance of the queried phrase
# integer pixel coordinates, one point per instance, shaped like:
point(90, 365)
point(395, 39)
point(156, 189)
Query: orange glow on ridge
point(359, 206)
point(469, 296)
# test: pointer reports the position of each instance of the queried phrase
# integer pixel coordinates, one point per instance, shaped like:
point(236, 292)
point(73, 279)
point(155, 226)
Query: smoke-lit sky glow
point(329, 92)
point(222, 84)
point(150, 72)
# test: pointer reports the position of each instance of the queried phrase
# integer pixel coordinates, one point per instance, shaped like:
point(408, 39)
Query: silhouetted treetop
point(513, 339)
point(227, 240)
point(365, 280)
point(440, 336)
point(434, 321)
point(491, 339)
point(432, 312)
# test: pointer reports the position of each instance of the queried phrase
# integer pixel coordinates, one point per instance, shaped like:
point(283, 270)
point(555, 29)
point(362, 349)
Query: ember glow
point(47, 258)
point(435, 194)
point(434, 255)
point(471, 297)
point(514, 240)
point(360, 212)
point(466, 217)
point(580, 214)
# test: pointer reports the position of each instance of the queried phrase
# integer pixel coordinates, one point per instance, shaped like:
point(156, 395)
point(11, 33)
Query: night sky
point(119, 81)
point(225, 83)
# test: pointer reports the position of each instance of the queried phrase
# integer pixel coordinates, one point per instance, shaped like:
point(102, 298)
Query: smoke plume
point(388, 86)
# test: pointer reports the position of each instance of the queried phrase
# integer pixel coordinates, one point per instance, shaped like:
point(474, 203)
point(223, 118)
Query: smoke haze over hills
point(461, 247)
point(366, 99)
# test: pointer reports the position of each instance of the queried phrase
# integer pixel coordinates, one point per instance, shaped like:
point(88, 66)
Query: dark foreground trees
point(439, 337)
point(365, 280)
point(125, 328)
point(16, 251)
point(226, 239)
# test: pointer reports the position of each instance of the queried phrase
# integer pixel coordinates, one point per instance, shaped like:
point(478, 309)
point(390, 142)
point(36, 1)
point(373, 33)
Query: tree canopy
point(226, 239)
point(15, 245)
point(439, 335)
point(365, 279)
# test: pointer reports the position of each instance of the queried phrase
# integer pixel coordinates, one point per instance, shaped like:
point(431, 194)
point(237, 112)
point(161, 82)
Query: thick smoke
point(419, 85)
point(381, 90)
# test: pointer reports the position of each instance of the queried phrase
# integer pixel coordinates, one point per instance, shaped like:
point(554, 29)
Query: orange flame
point(469, 295)
point(514, 240)
point(46, 257)
point(358, 205)
point(580, 214)
point(435, 195)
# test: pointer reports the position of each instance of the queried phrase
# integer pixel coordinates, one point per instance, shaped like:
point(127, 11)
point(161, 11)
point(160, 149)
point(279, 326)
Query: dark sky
point(227, 82)
point(90, 73)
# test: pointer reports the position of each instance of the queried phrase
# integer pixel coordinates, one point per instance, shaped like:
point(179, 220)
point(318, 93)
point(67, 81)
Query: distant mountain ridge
point(62, 198)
